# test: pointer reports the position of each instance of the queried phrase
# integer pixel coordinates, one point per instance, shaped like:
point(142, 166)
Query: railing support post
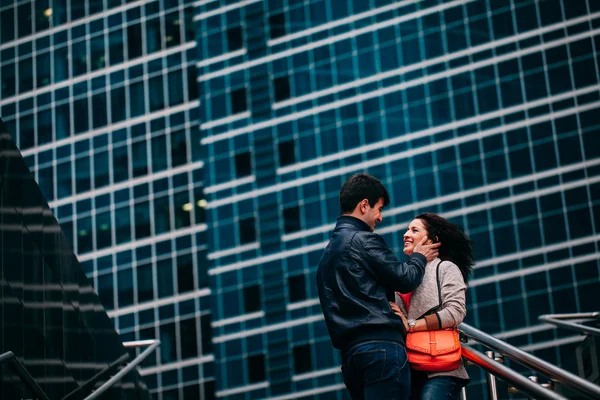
point(491, 380)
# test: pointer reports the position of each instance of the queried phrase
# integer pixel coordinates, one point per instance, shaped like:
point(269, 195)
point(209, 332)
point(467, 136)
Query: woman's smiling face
point(415, 232)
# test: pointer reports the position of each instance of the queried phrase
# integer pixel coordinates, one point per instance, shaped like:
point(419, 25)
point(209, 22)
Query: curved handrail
point(558, 320)
point(9, 357)
point(557, 374)
point(523, 384)
point(152, 345)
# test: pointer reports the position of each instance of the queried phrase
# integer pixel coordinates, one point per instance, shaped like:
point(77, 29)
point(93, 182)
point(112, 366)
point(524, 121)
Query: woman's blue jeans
point(436, 388)
point(376, 370)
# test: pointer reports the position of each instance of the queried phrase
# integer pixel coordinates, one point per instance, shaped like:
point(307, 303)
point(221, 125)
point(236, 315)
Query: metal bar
point(595, 314)
point(463, 393)
point(491, 380)
point(523, 384)
point(558, 374)
point(89, 384)
point(26, 378)
point(551, 319)
point(128, 368)
point(138, 343)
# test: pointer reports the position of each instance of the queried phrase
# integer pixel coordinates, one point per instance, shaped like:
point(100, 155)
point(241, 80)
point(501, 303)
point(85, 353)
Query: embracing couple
point(371, 300)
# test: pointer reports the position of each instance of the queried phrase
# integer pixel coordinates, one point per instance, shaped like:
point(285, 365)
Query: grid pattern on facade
point(193, 152)
point(484, 113)
point(102, 100)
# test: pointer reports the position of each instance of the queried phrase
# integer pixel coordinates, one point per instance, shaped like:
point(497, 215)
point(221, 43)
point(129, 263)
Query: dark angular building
point(50, 316)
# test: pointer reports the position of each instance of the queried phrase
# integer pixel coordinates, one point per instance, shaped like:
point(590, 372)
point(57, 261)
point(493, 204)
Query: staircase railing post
point(491, 380)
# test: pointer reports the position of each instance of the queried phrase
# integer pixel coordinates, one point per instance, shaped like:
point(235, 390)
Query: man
point(357, 275)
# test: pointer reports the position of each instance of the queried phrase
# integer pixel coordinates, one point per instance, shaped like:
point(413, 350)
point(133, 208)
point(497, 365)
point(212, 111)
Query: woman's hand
point(398, 312)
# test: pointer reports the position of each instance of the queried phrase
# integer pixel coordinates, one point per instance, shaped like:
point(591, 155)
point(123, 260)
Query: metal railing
point(557, 374)
point(10, 358)
point(559, 320)
point(496, 369)
point(152, 345)
point(87, 386)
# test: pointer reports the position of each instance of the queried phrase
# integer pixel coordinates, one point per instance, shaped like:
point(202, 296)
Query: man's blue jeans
point(376, 370)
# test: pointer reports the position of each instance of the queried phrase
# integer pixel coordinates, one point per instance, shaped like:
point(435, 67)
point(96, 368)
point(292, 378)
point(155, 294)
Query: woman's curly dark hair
point(456, 246)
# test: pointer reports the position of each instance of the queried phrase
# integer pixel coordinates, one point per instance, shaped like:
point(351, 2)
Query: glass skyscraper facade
point(484, 112)
point(101, 97)
point(193, 152)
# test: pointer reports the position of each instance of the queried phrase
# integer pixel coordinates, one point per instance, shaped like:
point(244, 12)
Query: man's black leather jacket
point(357, 276)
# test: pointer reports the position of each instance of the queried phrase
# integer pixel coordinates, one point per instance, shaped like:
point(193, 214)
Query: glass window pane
point(7, 25)
point(43, 70)
point(188, 335)
point(172, 26)
point(134, 41)
point(159, 153)
point(122, 225)
point(115, 47)
point(46, 181)
point(165, 278)
point(103, 230)
point(168, 346)
point(101, 176)
point(61, 66)
point(24, 19)
point(62, 117)
point(117, 104)
point(125, 283)
point(137, 99)
point(242, 165)
point(145, 285)
point(84, 235)
point(63, 177)
point(234, 38)
point(79, 58)
point(59, 12)
point(185, 273)
point(44, 127)
point(183, 209)
point(162, 215)
point(153, 35)
point(105, 291)
point(80, 115)
point(8, 80)
point(99, 116)
point(120, 164)
point(25, 75)
point(97, 57)
point(142, 220)
point(82, 174)
point(175, 88)
point(157, 93)
point(178, 148)
point(252, 298)
point(140, 158)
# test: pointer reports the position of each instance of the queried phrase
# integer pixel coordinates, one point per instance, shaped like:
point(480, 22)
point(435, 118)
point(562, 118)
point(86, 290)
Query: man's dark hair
point(359, 187)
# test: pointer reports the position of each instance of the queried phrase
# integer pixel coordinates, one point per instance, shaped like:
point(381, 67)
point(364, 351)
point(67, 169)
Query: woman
point(422, 307)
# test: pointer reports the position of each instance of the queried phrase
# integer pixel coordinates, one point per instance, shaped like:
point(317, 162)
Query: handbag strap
point(439, 286)
point(432, 343)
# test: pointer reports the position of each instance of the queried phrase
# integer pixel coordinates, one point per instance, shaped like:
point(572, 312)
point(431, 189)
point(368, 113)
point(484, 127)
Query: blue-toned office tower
point(485, 112)
point(101, 97)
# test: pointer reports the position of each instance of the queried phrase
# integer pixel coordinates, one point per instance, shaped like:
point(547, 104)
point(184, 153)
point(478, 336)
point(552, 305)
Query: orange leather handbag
point(434, 351)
